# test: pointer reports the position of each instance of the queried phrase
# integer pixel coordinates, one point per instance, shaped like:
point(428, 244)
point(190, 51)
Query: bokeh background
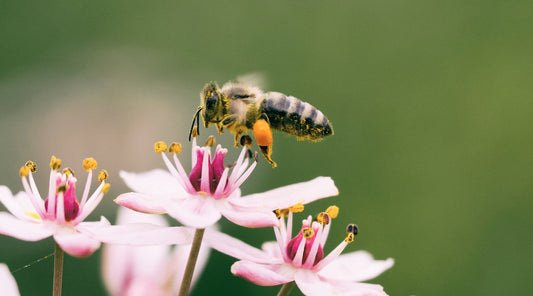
point(431, 102)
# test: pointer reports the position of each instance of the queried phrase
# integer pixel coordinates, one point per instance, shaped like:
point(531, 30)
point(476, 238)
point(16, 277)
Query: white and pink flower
point(150, 270)
point(60, 215)
point(7, 282)
point(210, 191)
point(301, 259)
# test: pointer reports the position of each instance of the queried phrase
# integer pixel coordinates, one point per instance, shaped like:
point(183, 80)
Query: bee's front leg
point(237, 138)
point(220, 127)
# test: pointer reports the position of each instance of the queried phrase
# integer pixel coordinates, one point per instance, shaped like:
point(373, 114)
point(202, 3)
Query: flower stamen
point(55, 163)
point(89, 164)
point(160, 147)
point(175, 148)
point(102, 176)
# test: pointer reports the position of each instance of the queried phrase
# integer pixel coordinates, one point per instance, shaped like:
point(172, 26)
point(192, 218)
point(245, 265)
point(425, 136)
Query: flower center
point(309, 234)
point(65, 186)
point(215, 169)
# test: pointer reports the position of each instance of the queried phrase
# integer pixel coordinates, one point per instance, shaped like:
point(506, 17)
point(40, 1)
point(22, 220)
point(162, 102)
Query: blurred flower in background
point(7, 282)
point(151, 270)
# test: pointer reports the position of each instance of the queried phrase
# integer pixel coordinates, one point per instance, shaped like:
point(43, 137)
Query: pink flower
point(60, 215)
point(301, 259)
point(153, 270)
point(210, 191)
point(7, 282)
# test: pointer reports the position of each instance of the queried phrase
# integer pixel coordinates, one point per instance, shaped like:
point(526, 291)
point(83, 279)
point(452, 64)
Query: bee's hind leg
point(267, 152)
point(263, 137)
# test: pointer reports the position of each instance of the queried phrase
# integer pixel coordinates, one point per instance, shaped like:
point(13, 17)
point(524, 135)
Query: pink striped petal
point(23, 230)
point(75, 243)
point(286, 196)
point(355, 267)
point(233, 247)
point(310, 284)
point(357, 289)
point(154, 182)
point(139, 234)
point(249, 217)
point(142, 203)
point(263, 274)
point(19, 205)
point(272, 249)
point(7, 282)
point(196, 211)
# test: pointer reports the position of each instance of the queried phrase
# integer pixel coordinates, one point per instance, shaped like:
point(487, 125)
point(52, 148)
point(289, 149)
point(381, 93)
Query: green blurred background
point(430, 101)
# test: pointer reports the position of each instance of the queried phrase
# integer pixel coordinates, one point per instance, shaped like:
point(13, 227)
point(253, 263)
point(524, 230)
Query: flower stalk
point(58, 270)
point(286, 288)
point(191, 262)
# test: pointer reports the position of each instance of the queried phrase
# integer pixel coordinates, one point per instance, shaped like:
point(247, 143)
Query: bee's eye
point(211, 101)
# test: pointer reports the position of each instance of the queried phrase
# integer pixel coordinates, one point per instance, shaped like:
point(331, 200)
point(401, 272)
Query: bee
point(239, 107)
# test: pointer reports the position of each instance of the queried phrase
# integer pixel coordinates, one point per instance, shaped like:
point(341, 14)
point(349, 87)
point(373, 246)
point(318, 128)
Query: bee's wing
point(257, 79)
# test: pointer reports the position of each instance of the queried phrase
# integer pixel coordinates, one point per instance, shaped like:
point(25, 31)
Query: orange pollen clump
point(263, 133)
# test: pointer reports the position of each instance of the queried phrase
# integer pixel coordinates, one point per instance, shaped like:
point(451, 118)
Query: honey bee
point(239, 107)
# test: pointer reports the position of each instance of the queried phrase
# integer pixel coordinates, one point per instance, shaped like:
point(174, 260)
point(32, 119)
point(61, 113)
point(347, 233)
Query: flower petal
point(23, 230)
point(196, 211)
point(154, 182)
point(75, 243)
point(310, 284)
point(357, 289)
point(356, 267)
point(150, 204)
point(272, 249)
point(286, 196)
point(134, 268)
point(263, 274)
point(7, 282)
point(138, 234)
point(248, 217)
point(19, 205)
point(233, 247)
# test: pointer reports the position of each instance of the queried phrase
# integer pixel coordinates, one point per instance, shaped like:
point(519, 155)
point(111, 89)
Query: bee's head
point(212, 104)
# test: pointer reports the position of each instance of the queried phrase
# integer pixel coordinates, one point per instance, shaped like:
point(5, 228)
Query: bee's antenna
point(197, 118)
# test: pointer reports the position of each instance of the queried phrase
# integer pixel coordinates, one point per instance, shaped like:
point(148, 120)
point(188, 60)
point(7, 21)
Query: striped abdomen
point(290, 115)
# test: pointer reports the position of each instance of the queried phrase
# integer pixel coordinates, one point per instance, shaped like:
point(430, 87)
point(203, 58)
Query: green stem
point(286, 289)
point(58, 270)
point(191, 262)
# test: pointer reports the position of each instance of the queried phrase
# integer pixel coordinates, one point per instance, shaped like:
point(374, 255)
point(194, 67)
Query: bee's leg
point(228, 122)
point(220, 127)
point(238, 135)
point(263, 137)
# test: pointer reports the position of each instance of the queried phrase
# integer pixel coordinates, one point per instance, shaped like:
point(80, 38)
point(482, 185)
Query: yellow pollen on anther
point(297, 208)
point(349, 238)
point(175, 148)
point(30, 164)
point(68, 171)
point(105, 189)
point(281, 213)
point(194, 132)
point(89, 164)
point(55, 163)
point(323, 218)
point(102, 176)
point(210, 142)
point(308, 232)
point(333, 211)
point(160, 147)
point(61, 188)
point(24, 171)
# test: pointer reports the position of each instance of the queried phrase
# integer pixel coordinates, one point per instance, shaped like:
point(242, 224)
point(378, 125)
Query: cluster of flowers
point(138, 259)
